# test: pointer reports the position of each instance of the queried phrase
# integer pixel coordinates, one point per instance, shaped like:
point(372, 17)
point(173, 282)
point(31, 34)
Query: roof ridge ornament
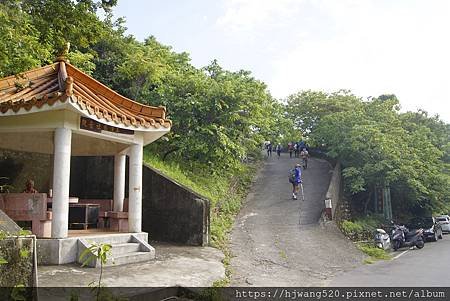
point(63, 54)
point(62, 76)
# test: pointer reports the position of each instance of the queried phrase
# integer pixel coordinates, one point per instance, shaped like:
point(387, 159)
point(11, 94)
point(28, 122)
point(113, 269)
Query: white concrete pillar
point(119, 181)
point(61, 182)
point(135, 189)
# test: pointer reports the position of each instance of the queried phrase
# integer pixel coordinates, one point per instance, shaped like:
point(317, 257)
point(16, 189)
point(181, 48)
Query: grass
point(369, 261)
point(226, 193)
point(211, 188)
point(373, 252)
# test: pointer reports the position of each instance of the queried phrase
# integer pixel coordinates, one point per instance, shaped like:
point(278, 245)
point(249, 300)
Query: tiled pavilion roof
point(61, 82)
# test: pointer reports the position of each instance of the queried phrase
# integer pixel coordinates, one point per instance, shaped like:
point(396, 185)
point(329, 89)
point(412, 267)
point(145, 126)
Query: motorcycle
point(402, 237)
point(382, 239)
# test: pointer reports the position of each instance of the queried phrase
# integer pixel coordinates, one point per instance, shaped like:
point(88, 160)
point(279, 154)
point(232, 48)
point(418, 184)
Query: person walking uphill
point(305, 156)
point(278, 149)
point(290, 149)
point(269, 150)
point(296, 179)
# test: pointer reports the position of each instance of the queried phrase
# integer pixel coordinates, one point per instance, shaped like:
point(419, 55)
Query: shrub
point(351, 229)
point(362, 228)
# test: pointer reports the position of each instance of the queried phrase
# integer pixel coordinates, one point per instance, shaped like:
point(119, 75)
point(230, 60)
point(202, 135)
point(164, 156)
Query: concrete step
point(116, 238)
point(132, 257)
point(124, 248)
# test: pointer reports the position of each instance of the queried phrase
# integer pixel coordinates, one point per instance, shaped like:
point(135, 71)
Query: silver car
point(444, 220)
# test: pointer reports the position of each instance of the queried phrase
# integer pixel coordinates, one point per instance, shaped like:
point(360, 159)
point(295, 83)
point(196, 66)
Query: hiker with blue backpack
point(295, 178)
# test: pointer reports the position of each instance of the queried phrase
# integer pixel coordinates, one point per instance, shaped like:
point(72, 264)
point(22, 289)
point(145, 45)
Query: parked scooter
point(402, 237)
point(382, 239)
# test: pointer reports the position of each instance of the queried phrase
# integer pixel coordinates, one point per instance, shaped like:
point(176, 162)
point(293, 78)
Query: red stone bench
point(118, 221)
point(28, 207)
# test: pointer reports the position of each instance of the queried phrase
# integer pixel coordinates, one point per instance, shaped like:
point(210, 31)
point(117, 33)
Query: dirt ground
point(277, 241)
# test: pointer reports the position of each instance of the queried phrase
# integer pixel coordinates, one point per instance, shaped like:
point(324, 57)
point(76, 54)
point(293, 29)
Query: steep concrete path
point(277, 241)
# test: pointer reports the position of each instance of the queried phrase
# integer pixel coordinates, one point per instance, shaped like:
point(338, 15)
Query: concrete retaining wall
point(173, 212)
point(334, 191)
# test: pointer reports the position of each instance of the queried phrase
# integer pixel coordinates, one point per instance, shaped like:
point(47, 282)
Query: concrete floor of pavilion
point(175, 265)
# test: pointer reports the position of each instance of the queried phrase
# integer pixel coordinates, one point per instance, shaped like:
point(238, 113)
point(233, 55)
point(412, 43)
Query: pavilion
point(59, 110)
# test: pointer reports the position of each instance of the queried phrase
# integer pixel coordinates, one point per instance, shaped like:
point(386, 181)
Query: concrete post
point(135, 189)
point(61, 182)
point(119, 181)
point(329, 209)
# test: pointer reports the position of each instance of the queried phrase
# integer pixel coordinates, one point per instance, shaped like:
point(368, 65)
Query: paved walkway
point(174, 266)
point(277, 241)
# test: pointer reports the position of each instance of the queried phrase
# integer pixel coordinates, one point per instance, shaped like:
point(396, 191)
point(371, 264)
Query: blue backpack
point(292, 176)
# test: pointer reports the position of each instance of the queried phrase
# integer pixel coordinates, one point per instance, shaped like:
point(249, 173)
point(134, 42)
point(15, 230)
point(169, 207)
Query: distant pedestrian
point(296, 149)
point(269, 150)
point(305, 156)
point(278, 149)
point(301, 145)
point(295, 178)
point(290, 149)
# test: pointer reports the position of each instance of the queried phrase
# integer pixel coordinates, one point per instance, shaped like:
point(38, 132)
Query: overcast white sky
point(371, 47)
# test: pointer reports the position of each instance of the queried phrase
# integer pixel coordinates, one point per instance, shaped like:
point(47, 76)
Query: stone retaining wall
point(18, 261)
point(20, 266)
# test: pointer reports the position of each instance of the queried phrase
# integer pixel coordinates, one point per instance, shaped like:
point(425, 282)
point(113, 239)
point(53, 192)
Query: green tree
point(379, 146)
point(306, 108)
point(20, 47)
point(34, 32)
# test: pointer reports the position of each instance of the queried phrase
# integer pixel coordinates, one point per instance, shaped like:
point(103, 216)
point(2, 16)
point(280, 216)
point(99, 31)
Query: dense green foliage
point(379, 146)
point(33, 32)
point(220, 118)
